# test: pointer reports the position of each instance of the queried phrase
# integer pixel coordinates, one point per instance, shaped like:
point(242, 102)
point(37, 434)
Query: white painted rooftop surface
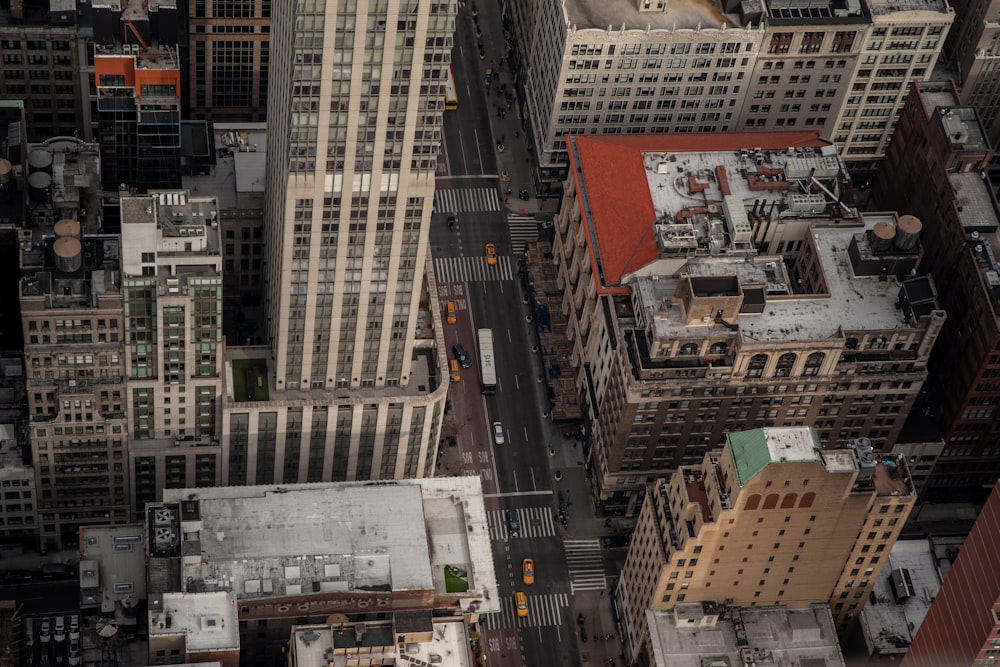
point(320, 645)
point(679, 14)
point(882, 7)
point(669, 178)
point(889, 627)
point(207, 620)
point(776, 638)
point(854, 303)
point(794, 443)
point(281, 540)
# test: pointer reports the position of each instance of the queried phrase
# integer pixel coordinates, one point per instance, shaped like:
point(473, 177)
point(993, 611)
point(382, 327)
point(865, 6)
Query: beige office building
point(721, 282)
point(651, 66)
point(172, 283)
point(71, 313)
point(772, 519)
point(354, 114)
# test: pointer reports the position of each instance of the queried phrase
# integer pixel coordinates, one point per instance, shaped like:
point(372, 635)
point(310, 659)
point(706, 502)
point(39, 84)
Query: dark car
point(513, 522)
point(15, 576)
point(613, 541)
point(461, 355)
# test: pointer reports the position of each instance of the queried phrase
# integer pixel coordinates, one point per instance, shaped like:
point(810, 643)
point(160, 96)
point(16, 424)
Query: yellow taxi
point(521, 604)
point(528, 571)
point(491, 253)
point(450, 314)
point(456, 375)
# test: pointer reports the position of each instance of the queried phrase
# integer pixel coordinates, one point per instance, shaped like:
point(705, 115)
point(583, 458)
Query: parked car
point(74, 627)
point(59, 634)
point(45, 631)
point(17, 576)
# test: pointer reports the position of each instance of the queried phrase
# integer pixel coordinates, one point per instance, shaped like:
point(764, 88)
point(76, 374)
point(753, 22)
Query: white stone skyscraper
point(353, 385)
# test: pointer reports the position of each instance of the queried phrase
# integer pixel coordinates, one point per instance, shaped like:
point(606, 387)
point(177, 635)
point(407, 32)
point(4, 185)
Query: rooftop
point(676, 196)
point(112, 567)
point(179, 229)
point(336, 537)
point(900, 601)
point(625, 15)
point(240, 164)
point(694, 635)
point(208, 621)
point(754, 450)
point(885, 7)
point(322, 644)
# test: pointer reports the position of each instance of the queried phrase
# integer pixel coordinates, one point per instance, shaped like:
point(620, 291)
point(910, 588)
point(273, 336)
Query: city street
point(572, 573)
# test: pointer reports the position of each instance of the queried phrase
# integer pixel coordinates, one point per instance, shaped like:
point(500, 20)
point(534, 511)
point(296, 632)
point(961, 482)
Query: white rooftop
point(318, 645)
point(888, 627)
point(794, 443)
point(283, 540)
point(854, 303)
point(882, 7)
point(690, 637)
point(208, 621)
point(679, 14)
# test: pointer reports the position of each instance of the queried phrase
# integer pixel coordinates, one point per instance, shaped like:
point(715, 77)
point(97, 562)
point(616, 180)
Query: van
point(450, 313)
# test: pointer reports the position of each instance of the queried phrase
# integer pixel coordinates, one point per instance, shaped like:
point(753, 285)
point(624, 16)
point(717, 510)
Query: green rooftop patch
point(250, 380)
point(456, 580)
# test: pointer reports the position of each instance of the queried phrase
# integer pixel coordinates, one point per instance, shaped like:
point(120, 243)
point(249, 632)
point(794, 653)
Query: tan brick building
point(771, 519)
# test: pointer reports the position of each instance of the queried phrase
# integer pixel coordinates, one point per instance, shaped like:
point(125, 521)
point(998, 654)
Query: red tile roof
point(615, 196)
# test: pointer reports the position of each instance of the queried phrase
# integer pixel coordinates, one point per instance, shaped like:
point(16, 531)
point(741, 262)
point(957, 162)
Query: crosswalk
point(471, 269)
point(522, 228)
point(466, 200)
point(535, 522)
point(543, 610)
point(586, 565)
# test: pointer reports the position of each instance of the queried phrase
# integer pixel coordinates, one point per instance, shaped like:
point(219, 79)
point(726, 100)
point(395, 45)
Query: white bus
point(487, 362)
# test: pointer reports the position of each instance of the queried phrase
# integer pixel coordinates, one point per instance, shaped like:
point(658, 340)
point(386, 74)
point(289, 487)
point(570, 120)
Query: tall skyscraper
point(771, 519)
point(933, 169)
point(172, 299)
point(963, 623)
point(354, 122)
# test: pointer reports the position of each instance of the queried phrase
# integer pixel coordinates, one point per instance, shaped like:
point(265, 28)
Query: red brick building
point(962, 627)
point(933, 170)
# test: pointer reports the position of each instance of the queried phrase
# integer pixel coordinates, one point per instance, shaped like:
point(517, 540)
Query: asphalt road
point(515, 474)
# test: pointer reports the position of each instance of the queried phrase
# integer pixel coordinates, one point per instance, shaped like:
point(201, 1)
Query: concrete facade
point(600, 68)
point(680, 314)
point(349, 193)
point(771, 519)
point(172, 284)
point(934, 169)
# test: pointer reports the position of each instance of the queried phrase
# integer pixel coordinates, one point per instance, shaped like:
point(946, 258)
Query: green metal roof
point(750, 452)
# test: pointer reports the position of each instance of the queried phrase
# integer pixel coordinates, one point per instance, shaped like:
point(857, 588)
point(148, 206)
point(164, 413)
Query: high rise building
point(227, 59)
point(933, 169)
point(650, 66)
point(720, 282)
point(771, 519)
point(354, 122)
point(44, 65)
point(963, 622)
point(71, 312)
point(172, 298)
point(138, 79)
point(972, 49)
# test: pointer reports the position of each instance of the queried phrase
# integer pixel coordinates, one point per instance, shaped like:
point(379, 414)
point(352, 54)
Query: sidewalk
point(507, 131)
